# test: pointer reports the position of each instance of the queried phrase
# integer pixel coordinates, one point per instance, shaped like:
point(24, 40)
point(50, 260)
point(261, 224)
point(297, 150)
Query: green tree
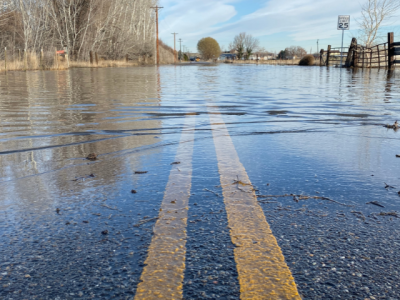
point(251, 44)
point(240, 51)
point(282, 54)
point(238, 45)
point(208, 48)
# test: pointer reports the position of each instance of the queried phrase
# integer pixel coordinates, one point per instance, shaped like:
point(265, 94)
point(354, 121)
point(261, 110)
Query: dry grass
point(32, 61)
point(267, 62)
point(103, 64)
point(166, 54)
point(270, 62)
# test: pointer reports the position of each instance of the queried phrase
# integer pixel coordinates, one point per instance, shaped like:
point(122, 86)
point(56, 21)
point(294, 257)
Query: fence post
point(127, 58)
point(328, 54)
point(390, 50)
point(41, 59)
point(363, 59)
point(370, 58)
point(355, 59)
point(25, 60)
point(67, 56)
point(56, 57)
point(350, 53)
point(321, 57)
point(97, 58)
point(91, 57)
point(379, 56)
point(5, 59)
point(19, 54)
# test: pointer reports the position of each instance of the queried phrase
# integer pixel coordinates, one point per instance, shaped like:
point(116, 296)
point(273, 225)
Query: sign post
point(343, 24)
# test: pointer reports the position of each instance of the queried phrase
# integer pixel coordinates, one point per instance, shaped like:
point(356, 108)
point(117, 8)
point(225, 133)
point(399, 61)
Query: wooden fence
point(385, 55)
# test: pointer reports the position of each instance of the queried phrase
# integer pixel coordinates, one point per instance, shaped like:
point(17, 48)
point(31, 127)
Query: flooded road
point(211, 182)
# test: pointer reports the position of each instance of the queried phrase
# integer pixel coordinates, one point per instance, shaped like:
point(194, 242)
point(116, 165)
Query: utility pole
point(174, 46)
point(156, 8)
point(180, 49)
point(317, 47)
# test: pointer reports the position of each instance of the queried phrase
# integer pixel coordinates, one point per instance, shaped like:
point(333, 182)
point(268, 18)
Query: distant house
point(267, 56)
point(227, 56)
point(263, 56)
point(335, 53)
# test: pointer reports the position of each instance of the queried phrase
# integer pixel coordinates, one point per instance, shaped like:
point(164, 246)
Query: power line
point(157, 8)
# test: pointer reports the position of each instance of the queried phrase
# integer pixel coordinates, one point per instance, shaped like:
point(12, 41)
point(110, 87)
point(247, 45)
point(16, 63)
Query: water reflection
point(52, 120)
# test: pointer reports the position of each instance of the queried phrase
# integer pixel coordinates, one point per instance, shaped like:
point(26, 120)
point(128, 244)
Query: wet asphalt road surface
point(311, 140)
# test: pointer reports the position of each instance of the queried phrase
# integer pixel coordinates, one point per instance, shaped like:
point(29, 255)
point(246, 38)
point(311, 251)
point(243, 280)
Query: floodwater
point(307, 131)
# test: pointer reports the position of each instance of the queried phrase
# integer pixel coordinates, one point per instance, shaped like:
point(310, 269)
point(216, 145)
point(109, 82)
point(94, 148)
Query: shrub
point(208, 48)
point(307, 60)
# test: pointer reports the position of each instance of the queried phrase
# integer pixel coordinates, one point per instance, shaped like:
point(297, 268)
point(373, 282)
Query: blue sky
point(277, 23)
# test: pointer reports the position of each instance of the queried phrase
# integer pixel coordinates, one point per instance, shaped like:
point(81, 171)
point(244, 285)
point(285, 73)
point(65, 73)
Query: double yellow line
point(162, 277)
point(263, 273)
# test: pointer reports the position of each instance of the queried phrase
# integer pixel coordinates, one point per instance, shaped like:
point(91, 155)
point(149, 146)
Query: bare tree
point(238, 45)
point(113, 28)
point(244, 45)
point(294, 51)
point(375, 14)
point(251, 44)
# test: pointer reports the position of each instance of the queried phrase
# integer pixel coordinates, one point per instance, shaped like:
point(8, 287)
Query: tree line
point(112, 28)
point(244, 45)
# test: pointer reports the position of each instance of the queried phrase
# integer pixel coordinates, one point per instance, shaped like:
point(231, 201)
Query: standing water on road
point(302, 149)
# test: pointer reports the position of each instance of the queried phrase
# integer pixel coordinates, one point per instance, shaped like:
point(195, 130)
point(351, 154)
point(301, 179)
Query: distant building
point(335, 53)
point(262, 56)
point(227, 56)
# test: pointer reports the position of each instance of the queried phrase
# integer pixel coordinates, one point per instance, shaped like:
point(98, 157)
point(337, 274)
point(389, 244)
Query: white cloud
point(193, 19)
point(302, 19)
point(298, 20)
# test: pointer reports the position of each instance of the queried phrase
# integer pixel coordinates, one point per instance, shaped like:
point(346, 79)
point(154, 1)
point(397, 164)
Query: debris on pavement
point(109, 207)
point(92, 156)
point(141, 172)
point(297, 198)
point(144, 221)
point(395, 126)
point(375, 203)
point(84, 177)
point(215, 193)
point(388, 186)
point(390, 214)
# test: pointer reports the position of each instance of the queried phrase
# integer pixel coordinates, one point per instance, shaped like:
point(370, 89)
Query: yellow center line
point(263, 272)
point(162, 276)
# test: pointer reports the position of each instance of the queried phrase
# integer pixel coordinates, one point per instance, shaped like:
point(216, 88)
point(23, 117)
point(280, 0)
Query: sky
point(276, 23)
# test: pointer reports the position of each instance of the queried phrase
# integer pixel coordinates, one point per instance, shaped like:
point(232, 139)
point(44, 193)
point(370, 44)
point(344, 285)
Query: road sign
point(343, 23)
